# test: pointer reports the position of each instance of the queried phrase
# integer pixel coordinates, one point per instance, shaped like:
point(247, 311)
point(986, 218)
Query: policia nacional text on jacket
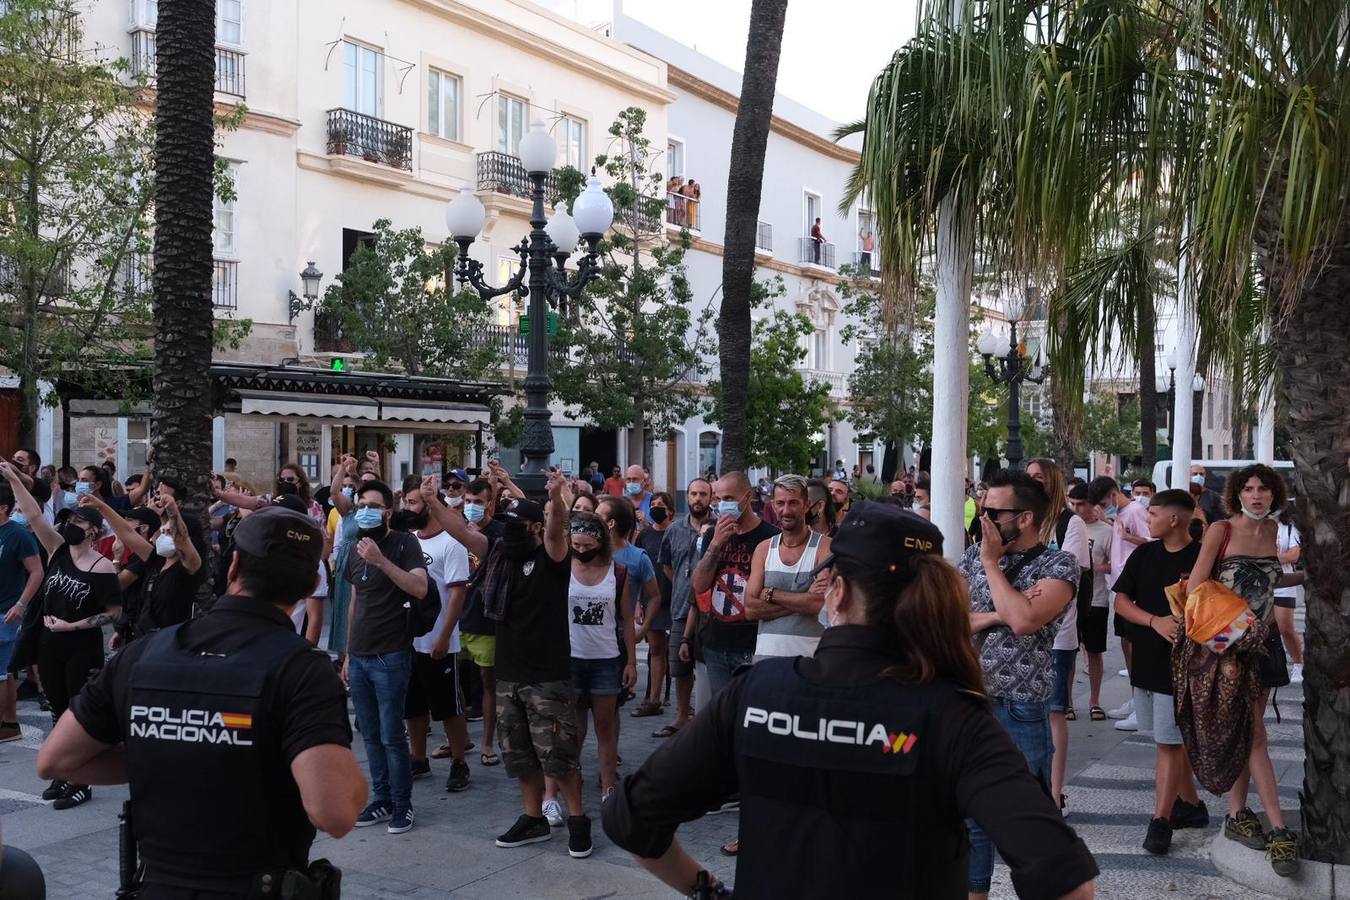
point(852, 783)
point(230, 729)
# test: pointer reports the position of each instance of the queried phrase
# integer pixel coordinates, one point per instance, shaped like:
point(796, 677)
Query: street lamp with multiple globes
point(543, 255)
point(1172, 401)
point(1012, 370)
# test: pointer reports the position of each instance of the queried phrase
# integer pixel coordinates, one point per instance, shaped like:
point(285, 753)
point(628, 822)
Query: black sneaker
point(75, 795)
point(579, 836)
point(1282, 848)
point(527, 830)
point(421, 768)
point(55, 790)
point(43, 703)
point(459, 777)
point(1186, 815)
point(1245, 828)
point(1159, 838)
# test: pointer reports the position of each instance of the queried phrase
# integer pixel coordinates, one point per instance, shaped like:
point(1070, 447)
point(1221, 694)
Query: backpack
point(423, 611)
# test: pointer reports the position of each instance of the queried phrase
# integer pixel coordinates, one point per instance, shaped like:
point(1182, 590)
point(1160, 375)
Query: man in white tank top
point(779, 594)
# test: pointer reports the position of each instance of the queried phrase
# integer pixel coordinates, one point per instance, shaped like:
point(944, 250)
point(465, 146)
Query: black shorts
point(1122, 627)
point(1092, 627)
point(1285, 602)
point(433, 688)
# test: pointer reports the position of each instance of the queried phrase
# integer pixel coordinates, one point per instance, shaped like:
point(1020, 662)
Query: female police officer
point(857, 767)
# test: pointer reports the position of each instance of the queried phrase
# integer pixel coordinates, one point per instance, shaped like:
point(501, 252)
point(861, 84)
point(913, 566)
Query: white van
point(1218, 470)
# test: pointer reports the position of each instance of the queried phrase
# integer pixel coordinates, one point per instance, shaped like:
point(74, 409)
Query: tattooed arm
point(98, 620)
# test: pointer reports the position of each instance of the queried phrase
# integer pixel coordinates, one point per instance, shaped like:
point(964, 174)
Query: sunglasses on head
point(992, 512)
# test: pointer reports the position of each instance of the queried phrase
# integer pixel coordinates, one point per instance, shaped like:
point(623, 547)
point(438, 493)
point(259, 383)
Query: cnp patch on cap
point(276, 531)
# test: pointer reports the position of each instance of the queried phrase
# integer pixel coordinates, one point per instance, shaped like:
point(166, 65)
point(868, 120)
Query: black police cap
point(275, 531)
point(882, 536)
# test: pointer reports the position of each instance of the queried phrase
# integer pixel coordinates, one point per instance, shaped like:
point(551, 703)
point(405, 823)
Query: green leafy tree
point(633, 340)
point(1110, 425)
point(784, 412)
point(394, 302)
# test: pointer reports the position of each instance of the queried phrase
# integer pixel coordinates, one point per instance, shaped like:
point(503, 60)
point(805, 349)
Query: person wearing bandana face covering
point(1020, 592)
point(889, 715)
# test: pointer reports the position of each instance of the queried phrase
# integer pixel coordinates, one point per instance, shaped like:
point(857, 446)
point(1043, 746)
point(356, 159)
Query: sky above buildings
point(832, 49)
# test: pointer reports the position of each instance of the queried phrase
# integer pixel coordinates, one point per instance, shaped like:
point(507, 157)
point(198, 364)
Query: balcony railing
point(225, 284)
point(503, 173)
point(56, 282)
point(352, 133)
point(143, 53)
point(507, 340)
point(328, 336)
point(764, 236)
point(838, 381)
point(229, 71)
point(684, 211)
point(867, 261)
point(135, 275)
point(816, 253)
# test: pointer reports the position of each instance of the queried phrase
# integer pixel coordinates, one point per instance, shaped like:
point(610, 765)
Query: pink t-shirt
point(1132, 519)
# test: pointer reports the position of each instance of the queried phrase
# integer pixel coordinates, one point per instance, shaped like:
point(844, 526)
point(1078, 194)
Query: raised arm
point(555, 520)
point(188, 557)
point(45, 533)
point(125, 531)
point(452, 521)
point(341, 469)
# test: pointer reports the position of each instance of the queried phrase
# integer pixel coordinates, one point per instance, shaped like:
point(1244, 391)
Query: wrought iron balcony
point(503, 173)
point(684, 211)
point(815, 253)
point(225, 284)
point(143, 53)
point(375, 140)
point(229, 71)
point(764, 236)
point(867, 261)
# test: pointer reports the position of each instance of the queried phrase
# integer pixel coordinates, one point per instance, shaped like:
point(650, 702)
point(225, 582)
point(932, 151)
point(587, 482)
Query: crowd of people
point(541, 608)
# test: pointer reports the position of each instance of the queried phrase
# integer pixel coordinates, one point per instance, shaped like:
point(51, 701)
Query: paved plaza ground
point(450, 852)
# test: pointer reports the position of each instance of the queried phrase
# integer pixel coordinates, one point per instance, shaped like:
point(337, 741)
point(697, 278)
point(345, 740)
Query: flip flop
point(489, 759)
point(647, 708)
point(731, 848)
point(443, 751)
point(665, 731)
point(1070, 715)
point(1097, 714)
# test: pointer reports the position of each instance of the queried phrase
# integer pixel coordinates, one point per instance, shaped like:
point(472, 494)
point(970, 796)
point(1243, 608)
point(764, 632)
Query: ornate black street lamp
point(543, 255)
point(1012, 370)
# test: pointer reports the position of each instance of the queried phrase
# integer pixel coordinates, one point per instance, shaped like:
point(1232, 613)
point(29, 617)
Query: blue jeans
point(379, 691)
point(1028, 724)
point(722, 664)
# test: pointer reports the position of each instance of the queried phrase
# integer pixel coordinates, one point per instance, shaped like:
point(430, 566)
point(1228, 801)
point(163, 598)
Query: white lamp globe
point(464, 216)
point(1172, 358)
point(562, 231)
point(538, 151)
point(593, 210)
point(989, 344)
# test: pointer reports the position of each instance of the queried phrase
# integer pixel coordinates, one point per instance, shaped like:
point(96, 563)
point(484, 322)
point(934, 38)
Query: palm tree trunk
point(1148, 383)
point(1316, 391)
point(180, 430)
point(1067, 427)
point(749, 142)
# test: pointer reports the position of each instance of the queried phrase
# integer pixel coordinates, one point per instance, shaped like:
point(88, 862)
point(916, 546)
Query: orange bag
point(1216, 616)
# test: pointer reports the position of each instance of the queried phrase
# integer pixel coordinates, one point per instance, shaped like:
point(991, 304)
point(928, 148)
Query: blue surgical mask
point(474, 512)
point(728, 508)
point(70, 500)
point(83, 487)
point(18, 518)
point(1198, 479)
point(368, 517)
point(1111, 511)
point(1142, 501)
point(632, 488)
point(348, 492)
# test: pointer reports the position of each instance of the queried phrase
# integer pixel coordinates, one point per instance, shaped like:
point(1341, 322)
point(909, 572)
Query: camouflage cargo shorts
point(537, 727)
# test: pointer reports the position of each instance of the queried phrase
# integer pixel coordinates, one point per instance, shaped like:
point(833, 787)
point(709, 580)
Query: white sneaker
point(1296, 673)
point(1124, 673)
point(1129, 723)
point(1122, 711)
point(553, 811)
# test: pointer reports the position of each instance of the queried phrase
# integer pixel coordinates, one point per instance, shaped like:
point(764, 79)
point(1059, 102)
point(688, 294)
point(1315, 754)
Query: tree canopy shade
point(1227, 122)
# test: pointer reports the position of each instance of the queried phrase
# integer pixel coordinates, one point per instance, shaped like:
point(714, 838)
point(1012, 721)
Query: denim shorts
point(597, 676)
point(1061, 691)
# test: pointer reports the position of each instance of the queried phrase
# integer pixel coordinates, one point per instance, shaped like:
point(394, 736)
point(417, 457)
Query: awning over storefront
point(359, 408)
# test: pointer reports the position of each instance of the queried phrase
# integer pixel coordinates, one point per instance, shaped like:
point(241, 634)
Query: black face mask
point(586, 556)
point(517, 542)
point(407, 520)
point(72, 534)
point(659, 514)
point(376, 534)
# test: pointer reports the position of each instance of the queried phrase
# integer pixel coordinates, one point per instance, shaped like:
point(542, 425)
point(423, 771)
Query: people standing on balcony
point(868, 242)
point(692, 191)
point(817, 239)
point(675, 190)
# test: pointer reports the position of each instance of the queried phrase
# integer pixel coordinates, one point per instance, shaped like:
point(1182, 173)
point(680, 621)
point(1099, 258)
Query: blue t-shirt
point(640, 571)
point(16, 544)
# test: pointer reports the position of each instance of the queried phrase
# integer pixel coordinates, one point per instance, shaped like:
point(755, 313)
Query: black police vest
point(833, 790)
point(212, 795)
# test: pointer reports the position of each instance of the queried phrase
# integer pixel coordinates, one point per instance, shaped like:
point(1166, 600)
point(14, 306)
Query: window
point(820, 350)
point(230, 23)
point(144, 13)
point(443, 91)
point(512, 114)
point(510, 307)
point(363, 73)
point(675, 158)
point(138, 442)
point(223, 222)
point(811, 205)
point(574, 143)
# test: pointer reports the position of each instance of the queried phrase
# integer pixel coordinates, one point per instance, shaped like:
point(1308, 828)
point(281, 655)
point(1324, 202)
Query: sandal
point(1097, 714)
point(443, 751)
point(1070, 715)
point(647, 708)
point(665, 731)
point(489, 759)
point(732, 847)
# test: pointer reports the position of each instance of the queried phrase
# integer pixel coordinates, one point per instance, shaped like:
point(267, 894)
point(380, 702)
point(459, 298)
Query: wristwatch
point(768, 595)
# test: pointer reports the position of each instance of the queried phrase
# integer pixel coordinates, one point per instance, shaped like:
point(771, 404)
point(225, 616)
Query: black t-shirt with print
point(473, 621)
point(1149, 570)
point(534, 641)
point(728, 629)
point(73, 594)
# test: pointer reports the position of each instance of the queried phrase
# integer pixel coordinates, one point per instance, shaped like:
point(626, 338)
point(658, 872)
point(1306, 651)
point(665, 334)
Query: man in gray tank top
point(780, 594)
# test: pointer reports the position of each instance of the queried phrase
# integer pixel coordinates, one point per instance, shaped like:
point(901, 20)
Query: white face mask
point(455, 501)
point(165, 546)
point(1255, 517)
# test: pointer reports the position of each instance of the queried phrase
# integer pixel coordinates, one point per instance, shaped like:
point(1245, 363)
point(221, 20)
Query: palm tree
point(184, 152)
point(1242, 136)
point(749, 141)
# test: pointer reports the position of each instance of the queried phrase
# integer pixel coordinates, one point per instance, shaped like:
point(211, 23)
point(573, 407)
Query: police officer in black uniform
point(857, 768)
point(231, 730)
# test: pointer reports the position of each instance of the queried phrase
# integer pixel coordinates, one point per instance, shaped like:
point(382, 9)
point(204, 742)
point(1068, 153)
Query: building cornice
point(372, 173)
point(684, 81)
point(538, 45)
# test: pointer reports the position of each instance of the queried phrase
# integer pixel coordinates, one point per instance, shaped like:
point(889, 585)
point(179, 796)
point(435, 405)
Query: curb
point(1250, 869)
